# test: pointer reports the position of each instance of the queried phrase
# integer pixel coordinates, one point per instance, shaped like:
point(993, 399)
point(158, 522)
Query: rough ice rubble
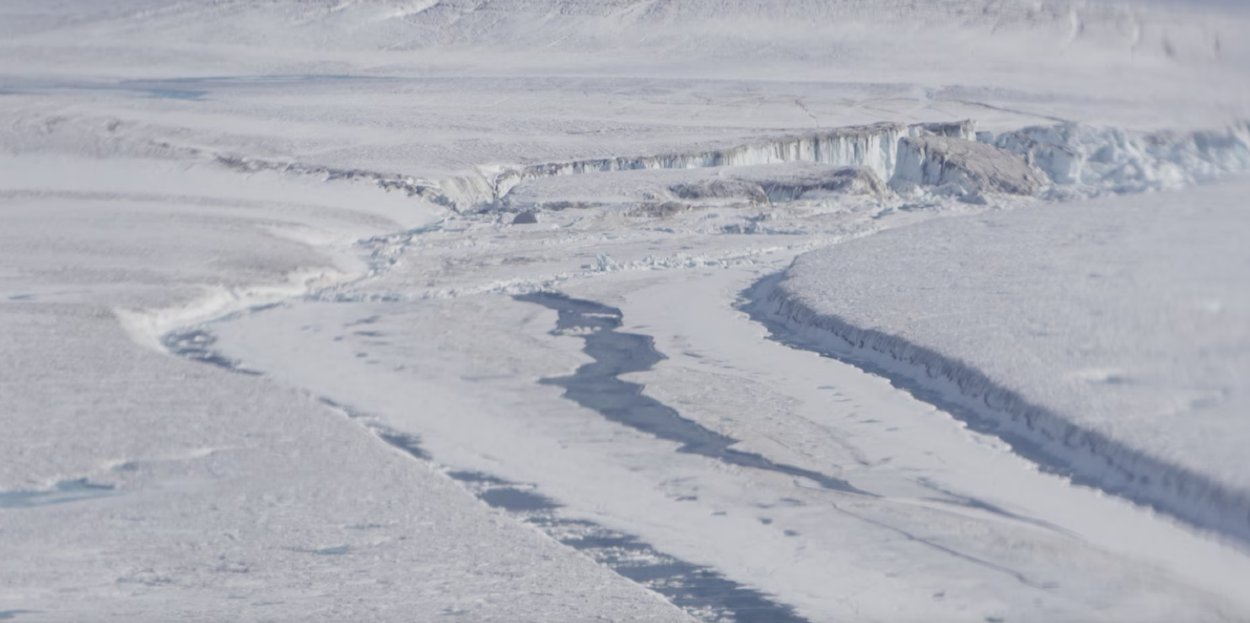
point(1087, 160)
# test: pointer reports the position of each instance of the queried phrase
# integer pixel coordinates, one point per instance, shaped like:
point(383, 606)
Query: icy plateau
point(627, 310)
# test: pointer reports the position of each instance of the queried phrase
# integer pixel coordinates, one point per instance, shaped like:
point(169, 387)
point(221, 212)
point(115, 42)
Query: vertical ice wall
point(962, 168)
point(874, 147)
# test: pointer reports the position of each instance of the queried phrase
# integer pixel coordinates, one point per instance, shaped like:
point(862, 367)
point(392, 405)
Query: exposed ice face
point(873, 147)
point(948, 159)
point(962, 168)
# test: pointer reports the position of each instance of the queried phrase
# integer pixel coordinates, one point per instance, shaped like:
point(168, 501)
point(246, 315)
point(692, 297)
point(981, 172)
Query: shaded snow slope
point(1111, 337)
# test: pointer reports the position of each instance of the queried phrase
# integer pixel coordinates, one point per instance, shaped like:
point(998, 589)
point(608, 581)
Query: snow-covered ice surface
point(434, 309)
point(140, 487)
point(1112, 336)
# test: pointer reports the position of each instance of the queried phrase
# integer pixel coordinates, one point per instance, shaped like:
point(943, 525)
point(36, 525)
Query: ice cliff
point(1058, 161)
point(962, 168)
point(874, 147)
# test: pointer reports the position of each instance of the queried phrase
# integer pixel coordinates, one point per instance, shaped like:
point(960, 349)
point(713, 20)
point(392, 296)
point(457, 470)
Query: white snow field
point(424, 310)
point(140, 487)
point(1113, 335)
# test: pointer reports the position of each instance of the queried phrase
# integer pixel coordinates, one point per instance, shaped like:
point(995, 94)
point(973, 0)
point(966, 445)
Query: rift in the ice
point(699, 590)
point(63, 492)
point(197, 345)
point(598, 386)
point(406, 442)
point(403, 441)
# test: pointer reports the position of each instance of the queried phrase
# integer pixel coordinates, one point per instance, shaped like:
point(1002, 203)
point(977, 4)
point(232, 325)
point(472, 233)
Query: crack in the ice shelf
point(952, 497)
point(598, 386)
point(197, 345)
point(1019, 577)
point(700, 591)
point(62, 492)
point(407, 443)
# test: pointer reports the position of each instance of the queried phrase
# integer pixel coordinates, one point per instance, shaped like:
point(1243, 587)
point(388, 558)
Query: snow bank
point(1109, 339)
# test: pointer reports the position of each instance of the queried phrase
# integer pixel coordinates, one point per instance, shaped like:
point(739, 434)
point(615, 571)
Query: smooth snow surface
point(1112, 335)
point(427, 310)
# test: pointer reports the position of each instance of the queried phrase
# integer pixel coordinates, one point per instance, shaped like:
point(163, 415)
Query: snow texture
point(263, 356)
point(1113, 336)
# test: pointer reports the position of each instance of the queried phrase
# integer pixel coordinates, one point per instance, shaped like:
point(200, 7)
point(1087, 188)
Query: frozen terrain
point(136, 486)
point(490, 310)
point(1111, 336)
